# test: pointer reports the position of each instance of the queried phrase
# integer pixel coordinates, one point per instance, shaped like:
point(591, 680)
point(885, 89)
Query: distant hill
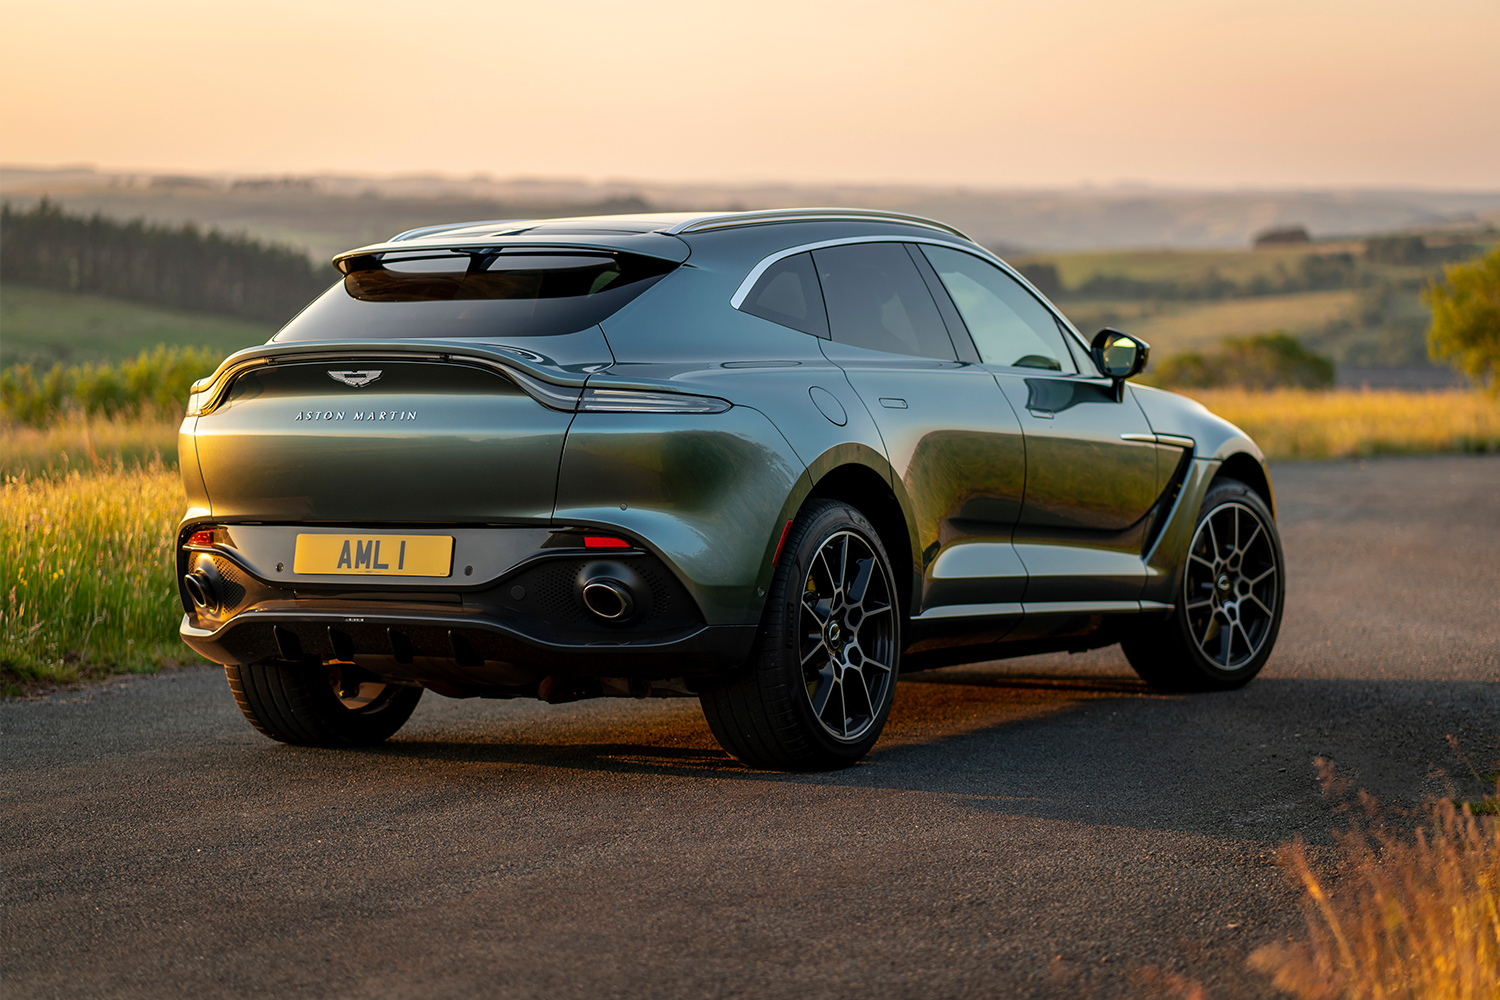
point(43, 328)
point(327, 213)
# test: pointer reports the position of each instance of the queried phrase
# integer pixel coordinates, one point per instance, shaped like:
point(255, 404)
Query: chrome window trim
point(740, 292)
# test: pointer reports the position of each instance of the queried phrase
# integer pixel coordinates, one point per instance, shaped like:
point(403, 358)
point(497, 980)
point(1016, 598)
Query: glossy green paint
point(992, 503)
point(705, 492)
point(428, 442)
point(958, 461)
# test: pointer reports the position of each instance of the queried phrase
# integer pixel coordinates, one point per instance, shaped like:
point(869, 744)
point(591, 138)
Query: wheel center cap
point(1224, 582)
point(833, 631)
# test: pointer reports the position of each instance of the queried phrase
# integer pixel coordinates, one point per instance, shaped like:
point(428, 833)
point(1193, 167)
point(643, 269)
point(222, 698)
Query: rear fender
point(708, 493)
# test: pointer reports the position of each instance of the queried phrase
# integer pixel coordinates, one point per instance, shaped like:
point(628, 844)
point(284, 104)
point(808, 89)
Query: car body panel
point(428, 442)
point(706, 491)
point(1044, 531)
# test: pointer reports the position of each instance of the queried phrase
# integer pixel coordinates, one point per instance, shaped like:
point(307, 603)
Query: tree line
point(182, 267)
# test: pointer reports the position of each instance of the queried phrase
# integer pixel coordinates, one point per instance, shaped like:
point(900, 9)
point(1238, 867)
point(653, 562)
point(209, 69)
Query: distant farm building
point(1281, 235)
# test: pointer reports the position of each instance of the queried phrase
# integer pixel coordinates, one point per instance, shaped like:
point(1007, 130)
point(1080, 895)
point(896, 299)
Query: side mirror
point(1119, 356)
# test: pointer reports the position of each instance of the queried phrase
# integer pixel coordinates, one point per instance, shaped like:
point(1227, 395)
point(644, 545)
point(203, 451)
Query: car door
point(1091, 464)
point(952, 439)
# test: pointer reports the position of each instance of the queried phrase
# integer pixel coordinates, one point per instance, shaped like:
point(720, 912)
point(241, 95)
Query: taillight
point(604, 542)
point(201, 539)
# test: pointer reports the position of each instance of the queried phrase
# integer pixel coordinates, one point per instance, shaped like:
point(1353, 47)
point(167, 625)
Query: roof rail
point(730, 220)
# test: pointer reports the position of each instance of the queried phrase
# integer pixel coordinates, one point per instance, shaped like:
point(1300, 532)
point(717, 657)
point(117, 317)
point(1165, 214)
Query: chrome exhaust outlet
point(609, 591)
point(202, 584)
point(609, 599)
point(200, 589)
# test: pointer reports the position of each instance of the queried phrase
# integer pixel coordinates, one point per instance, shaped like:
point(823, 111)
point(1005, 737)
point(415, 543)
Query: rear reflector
point(203, 538)
point(604, 542)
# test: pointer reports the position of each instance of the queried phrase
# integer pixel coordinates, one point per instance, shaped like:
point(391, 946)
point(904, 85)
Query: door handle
point(892, 403)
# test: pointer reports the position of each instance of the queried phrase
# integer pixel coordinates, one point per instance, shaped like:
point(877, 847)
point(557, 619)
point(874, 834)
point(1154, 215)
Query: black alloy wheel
point(318, 705)
point(822, 678)
point(1229, 610)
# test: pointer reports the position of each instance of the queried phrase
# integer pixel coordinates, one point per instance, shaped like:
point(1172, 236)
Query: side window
point(877, 300)
point(787, 293)
point(1009, 325)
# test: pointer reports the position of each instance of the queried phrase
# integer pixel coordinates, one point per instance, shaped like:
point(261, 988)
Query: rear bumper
point(459, 646)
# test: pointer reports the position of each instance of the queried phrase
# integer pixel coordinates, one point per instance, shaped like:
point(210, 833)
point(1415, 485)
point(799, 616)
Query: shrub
point(1269, 361)
point(1465, 329)
point(152, 384)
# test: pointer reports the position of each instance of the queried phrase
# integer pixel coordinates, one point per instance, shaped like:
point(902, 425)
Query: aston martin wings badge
point(356, 379)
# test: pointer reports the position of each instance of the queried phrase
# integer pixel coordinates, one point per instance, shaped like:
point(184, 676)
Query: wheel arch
point(1252, 472)
point(867, 491)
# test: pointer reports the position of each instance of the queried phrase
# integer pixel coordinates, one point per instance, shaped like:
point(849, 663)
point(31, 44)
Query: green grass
point(1239, 266)
point(88, 579)
point(1170, 327)
point(43, 327)
point(1170, 265)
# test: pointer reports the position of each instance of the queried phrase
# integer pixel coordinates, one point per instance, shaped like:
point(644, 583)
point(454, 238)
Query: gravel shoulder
point(1040, 827)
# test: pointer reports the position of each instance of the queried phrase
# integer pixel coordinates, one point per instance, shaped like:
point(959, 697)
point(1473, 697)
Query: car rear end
point(375, 488)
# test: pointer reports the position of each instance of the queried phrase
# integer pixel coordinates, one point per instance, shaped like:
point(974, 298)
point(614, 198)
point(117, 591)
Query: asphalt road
point(1041, 827)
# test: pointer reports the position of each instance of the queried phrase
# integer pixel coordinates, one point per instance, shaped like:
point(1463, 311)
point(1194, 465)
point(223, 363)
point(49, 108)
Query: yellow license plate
point(373, 555)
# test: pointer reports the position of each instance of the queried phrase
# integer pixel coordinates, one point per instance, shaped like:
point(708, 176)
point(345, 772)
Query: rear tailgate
point(370, 439)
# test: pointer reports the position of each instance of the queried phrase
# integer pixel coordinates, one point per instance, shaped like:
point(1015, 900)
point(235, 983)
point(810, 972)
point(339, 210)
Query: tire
point(301, 704)
point(820, 681)
point(1228, 610)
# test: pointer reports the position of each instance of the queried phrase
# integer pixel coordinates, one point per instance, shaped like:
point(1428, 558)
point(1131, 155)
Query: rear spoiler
point(657, 245)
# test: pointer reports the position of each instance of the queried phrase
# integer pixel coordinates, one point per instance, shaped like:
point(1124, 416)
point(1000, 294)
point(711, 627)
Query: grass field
point(1170, 327)
point(87, 445)
point(1303, 423)
point(43, 326)
point(1169, 265)
point(88, 580)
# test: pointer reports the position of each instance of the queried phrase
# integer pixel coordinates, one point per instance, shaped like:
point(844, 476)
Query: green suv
point(766, 459)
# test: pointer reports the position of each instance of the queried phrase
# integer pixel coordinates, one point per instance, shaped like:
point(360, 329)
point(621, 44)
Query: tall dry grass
point(1304, 423)
point(88, 580)
point(1414, 913)
point(80, 443)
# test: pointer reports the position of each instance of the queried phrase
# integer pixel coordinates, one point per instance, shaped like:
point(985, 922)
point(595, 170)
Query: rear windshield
point(475, 295)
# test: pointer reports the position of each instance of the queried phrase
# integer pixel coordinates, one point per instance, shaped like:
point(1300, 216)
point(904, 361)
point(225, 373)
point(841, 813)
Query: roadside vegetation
point(88, 579)
point(154, 384)
point(1293, 423)
point(1410, 911)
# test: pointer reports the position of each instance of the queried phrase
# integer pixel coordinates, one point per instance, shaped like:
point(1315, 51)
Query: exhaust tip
point(609, 599)
point(201, 590)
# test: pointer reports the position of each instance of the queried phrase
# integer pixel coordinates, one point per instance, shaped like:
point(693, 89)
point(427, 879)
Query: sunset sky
point(1169, 92)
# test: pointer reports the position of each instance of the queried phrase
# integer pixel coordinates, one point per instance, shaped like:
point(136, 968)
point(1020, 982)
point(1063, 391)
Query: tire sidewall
point(821, 523)
point(1222, 492)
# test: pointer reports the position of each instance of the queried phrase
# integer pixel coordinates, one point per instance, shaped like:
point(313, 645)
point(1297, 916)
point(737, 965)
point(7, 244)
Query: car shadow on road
point(1084, 747)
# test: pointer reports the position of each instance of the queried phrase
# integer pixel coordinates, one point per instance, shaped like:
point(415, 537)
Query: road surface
point(1041, 827)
